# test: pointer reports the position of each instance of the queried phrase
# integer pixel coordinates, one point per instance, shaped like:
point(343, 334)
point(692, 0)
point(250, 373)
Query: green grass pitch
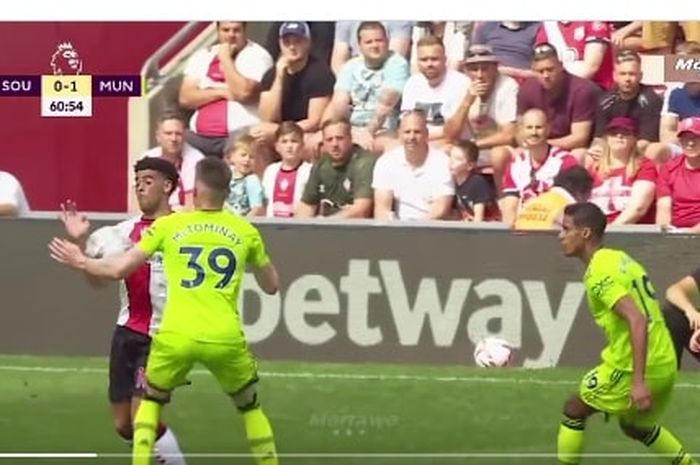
point(329, 414)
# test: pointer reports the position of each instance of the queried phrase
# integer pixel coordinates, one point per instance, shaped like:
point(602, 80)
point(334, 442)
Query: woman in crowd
point(624, 182)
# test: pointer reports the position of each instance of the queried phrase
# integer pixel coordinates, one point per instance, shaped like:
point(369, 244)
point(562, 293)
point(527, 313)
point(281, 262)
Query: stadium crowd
point(465, 121)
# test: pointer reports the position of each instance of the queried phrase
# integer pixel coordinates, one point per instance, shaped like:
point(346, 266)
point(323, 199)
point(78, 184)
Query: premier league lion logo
point(65, 60)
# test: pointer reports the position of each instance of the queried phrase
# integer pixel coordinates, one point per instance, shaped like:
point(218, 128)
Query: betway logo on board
point(300, 308)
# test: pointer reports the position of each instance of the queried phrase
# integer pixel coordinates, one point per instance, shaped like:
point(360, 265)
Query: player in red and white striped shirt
point(142, 296)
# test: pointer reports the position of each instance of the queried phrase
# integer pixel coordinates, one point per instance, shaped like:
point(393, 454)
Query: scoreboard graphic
point(67, 93)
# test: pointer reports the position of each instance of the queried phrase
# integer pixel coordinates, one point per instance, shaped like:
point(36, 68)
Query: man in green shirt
point(205, 253)
point(638, 370)
point(340, 183)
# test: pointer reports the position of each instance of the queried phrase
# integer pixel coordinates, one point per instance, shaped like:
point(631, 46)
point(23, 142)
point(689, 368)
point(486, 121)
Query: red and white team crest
point(65, 60)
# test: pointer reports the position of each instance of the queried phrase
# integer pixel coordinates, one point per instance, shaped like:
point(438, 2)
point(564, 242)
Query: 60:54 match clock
point(66, 96)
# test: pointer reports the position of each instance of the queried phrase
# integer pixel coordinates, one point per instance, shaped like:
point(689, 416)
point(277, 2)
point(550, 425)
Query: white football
point(493, 352)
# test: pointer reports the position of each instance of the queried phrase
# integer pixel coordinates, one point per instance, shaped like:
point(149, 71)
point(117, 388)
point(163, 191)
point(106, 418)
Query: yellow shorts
point(607, 389)
point(173, 356)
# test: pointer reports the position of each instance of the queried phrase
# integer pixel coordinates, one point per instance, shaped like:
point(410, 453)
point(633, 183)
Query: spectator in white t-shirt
point(172, 147)
point(13, 202)
point(413, 181)
point(222, 85)
point(436, 89)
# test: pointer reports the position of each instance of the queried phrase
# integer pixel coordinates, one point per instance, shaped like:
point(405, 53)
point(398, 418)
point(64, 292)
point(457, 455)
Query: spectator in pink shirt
point(624, 182)
point(678, 195)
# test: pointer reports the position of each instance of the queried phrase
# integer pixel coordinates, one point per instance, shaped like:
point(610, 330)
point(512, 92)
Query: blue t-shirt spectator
point(365, 87)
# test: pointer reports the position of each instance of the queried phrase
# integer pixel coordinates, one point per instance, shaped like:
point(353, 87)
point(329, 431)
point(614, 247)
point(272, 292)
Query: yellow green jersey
point(612, 275)
point(205, 254)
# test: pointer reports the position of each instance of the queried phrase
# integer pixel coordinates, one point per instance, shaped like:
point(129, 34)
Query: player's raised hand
point(77, 224)
point(66, 252)
point(641, 396)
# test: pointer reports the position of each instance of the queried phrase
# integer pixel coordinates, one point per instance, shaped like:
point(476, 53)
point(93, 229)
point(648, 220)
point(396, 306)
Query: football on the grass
point(493, 352)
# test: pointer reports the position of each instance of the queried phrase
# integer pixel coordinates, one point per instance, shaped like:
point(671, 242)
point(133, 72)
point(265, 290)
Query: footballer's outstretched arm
point(114, 267)
point(267, 278)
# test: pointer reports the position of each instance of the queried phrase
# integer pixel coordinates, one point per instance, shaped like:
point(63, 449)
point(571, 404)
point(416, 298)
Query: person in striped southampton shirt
point(141, 293)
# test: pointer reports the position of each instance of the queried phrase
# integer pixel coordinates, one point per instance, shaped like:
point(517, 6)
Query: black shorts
point(679, 327)
point(127, 364)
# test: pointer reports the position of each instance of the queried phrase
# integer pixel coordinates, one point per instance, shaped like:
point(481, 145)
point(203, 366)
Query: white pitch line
point(343, 376)
point(48, 455)
point(350, 455)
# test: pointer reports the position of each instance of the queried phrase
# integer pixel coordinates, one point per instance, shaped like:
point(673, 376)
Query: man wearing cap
point(629, 98)
point(298, 88)
point(322, 34)
point(487, 111)
point(222, 84)
point(568, 101)
point(678, 194)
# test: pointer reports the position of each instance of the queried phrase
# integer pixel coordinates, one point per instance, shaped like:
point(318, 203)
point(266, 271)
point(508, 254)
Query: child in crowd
point(245, 191)
point(475, 193)
point(284, 181)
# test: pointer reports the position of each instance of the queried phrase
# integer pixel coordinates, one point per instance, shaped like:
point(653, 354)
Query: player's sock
point(663, 442)
point(145, 424)
point(167, 447)
point(260, 438)
point(570, 440)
